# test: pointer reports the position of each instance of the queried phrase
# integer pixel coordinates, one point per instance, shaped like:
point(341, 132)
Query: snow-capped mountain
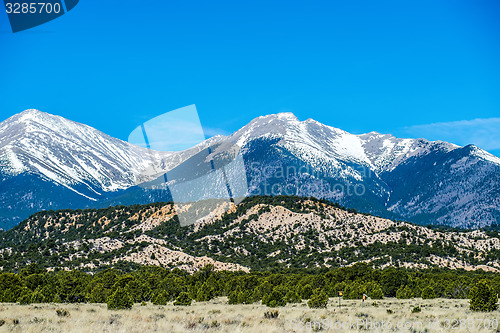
point(48, 162)
point(411, 179)
point(70, 154)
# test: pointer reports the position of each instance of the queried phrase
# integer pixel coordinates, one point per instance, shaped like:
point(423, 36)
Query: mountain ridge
point(259, 233)
point(51, 154)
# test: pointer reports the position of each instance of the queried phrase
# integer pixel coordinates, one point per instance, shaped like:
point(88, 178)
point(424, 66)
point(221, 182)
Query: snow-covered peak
point(386, 152)
point(71, 154)
point(309, 140)
point(313, 141)
point(33, 112)
point(483, 154)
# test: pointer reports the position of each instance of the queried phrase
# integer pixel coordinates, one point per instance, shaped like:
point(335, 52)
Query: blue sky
point(411, 68)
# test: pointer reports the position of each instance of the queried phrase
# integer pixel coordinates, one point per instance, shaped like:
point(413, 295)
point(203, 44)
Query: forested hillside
point(261, 233)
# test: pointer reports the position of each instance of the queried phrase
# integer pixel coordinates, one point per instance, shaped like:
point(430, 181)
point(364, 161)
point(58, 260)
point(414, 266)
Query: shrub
point(292, 297)
point(274, 299)
point(120, 299)
point(37, 297)
point(376, 292)
point(62, 313)
point(319, 299)
point(428, 293)
point(25, 298)
point(416, 309)
point(161, 298)
point(98, 294)
point(405, 293)
point(271, 314)
point(183, 299)
point(482, 298)
point(306, 291)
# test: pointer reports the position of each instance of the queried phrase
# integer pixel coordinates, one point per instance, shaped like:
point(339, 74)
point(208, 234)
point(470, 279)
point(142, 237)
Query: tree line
point(121, 289)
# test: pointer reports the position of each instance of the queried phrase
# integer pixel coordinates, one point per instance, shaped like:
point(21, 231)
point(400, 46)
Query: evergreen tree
point(183, 299)
point(232, 297)
point(428, 293)
point(319, 299)
point(25, 297)
point(292, 297)
point(376, 292)
point(404, 293)
point(98, 294)
point(275, 298)
point(306, 291)
point(37, 297)
point(355, 290)
point(482, 297)
point(161, 298)
point(120, 299)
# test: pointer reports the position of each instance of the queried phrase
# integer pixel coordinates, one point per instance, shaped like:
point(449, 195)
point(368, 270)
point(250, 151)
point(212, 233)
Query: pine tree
point(25, 297)
point(161, 298)
point(183, 299)
point(428, 293)
point(120, 299)
point(292, 297)
point(376, 292)
point(306, 291)
point(405, 293)
point(98, 294)
point(482, 297)
point(319, 299)
point(37, 297)
point(274, 299)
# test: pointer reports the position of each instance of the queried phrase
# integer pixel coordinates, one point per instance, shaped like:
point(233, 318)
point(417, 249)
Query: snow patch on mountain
point(71, 154)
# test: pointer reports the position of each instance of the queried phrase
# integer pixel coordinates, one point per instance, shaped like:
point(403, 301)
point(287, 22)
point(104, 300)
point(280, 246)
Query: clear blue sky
point(411, 68)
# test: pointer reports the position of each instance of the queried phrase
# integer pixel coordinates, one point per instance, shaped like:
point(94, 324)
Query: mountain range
point(48, 162)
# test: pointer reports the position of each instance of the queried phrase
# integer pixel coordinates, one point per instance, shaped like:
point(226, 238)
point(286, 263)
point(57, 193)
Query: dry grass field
point(388, 315)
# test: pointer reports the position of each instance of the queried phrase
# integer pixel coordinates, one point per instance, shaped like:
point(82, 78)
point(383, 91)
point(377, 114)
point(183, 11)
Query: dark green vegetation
point(304, 233)
point(483, 297)
point(296, 248)
point(121, 289)
point(120, 299)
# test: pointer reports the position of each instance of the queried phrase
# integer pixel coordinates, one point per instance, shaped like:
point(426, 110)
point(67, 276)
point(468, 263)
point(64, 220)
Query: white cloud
point(484, 133)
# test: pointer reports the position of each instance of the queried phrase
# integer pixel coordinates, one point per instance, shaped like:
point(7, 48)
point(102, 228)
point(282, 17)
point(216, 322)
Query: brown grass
point(218, 316)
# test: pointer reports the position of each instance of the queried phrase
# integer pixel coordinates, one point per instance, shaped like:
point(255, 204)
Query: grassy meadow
point(387, 315)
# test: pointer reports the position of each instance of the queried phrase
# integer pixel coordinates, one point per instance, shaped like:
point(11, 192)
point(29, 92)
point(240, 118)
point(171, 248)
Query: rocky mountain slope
point(259, 233)
point(48, 162)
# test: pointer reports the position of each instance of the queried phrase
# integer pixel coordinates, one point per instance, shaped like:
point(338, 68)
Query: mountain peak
point(32, 111)
point(31, 119)
point(283, 116)
point(286, 115)
point(30, 114)
point(481, 153)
